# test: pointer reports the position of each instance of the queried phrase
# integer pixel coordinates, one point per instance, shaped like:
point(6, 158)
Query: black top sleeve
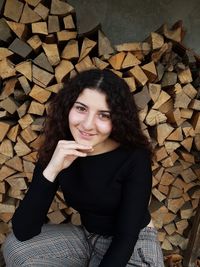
point(31, 213)
point(136, 191)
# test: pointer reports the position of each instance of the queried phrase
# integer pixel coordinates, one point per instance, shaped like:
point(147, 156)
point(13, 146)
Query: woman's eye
point(104, 116)
point(80, 108)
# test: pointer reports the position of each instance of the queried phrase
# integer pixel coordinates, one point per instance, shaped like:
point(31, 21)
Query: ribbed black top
point(110, 190)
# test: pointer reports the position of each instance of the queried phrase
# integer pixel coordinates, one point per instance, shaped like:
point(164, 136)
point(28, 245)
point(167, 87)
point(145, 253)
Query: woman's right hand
point(64, 154)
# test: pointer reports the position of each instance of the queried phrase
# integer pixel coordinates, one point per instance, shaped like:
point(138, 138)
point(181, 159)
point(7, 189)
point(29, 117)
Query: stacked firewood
point(40, 48)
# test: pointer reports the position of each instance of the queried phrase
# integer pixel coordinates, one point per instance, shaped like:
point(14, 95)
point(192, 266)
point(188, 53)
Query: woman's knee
point(13, 251)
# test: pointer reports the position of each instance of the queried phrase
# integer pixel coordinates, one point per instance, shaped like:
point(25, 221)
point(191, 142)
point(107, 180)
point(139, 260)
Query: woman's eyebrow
point(77, 102)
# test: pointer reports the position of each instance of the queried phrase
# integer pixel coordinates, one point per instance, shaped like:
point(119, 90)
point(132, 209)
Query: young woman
point(95, 151)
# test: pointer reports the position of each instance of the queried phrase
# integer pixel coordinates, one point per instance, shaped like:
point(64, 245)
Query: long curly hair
point(124, 114)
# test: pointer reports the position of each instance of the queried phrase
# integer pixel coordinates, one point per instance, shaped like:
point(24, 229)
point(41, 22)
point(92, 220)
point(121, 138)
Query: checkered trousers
point(67, 245)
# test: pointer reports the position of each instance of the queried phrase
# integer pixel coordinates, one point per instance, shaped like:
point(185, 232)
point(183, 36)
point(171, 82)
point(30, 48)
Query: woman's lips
point(86, 135)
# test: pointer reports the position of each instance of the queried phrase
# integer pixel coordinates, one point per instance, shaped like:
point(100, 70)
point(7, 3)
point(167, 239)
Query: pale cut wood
point(158, 194)
point(160, 153)
point(154, 91)
point(9, 105)
point(35, 42)
point(19, 29)
point(55, 88)
point(190, 90)
point(182, 100)
point(187, 143)
point(187, 157)
point(195, 104)
point(25, 121)
point(32, 157)
point(68, 22)
point(13, 132)
point(24, 84)
point(163, 189)
point(36, 108)
point(185, 76)
point(6, 148)
point(155, 117)
point(150, 71)
point(37, 125)
point(167, 179)
point(139, 75)
point(71, 50)
point(29, 15)
point(52, 53)
point(86, 47)
point(28, 135)
point(28, 166)
point(60, 8)
point(6, 69)
point(3, 159)
point(163, 131)
point(39, 94)
point(130, 61)
point(176, 135)
point(53, 24)
point(157, 40)
point(4, 128)
point(104, 46)
point(42, 11)
point(21, 148)
point(13, 9)
point(162, 99)
point(156, 55)
point(169, 79)
point(84, 64)
point(166, 107)
point(186, 113)
point(144, 47)
point(171, 146)
point(40, 27)
point(131, 83)
point(174, 116)
point(142, 98)
point(174, 35)
point(188, 175)
point(196, 123)
point(25, 68)
point(15, 163)
point(62, 69)
point(170, 228)
point(41, 77)
point(100, 64)
point(23, 109)
point(5, 172)
point(181, 226)
point(175, 204)
point(65, 35)
point(42, 61)
point(56, 217)
point(116, 60)
point(7, 208)
point(4, 53)
point(33, 3)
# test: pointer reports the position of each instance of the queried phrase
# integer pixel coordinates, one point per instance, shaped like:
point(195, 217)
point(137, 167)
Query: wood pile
point(40, 48)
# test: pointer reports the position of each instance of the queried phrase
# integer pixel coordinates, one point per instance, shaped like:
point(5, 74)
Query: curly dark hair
point(124, 114)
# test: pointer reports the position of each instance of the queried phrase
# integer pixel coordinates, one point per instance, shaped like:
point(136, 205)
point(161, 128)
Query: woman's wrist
point(49, 174)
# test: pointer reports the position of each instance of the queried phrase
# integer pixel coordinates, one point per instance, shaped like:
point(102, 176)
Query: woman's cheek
point(104, 127)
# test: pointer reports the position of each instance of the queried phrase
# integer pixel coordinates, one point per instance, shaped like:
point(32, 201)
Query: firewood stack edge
point(40, 48)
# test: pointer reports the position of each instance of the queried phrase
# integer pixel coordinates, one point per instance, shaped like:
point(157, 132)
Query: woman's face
point(90, 119)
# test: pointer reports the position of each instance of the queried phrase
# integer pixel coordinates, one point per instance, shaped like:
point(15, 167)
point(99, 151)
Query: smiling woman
point(95, 151)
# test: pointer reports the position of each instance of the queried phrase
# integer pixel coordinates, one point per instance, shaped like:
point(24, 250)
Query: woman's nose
point(88, 122)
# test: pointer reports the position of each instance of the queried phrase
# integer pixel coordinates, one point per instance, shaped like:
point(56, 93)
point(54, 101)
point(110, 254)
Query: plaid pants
point(67, 245)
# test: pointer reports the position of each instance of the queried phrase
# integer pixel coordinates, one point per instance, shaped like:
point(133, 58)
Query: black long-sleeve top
point(111, 191)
